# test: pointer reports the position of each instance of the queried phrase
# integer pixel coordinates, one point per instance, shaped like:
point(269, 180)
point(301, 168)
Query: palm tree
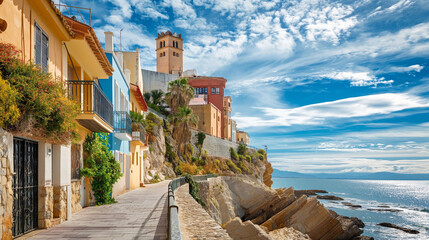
point(146, 96)
point(183, 120)
point(157, 97)
point(179, 94)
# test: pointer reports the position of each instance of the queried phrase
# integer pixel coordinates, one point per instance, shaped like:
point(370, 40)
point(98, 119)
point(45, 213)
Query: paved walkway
point(195, 222)
point(139, 214)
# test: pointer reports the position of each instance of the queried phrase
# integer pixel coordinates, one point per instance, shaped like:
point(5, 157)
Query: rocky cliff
point(277, 212)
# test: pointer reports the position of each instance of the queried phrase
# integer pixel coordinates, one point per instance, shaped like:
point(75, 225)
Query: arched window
point(160, 44)
point(174, 54)
point(160, 54)
point(177, 54)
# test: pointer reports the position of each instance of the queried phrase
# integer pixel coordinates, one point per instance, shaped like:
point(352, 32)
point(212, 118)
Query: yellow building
point(227, 118)
point(242, 137)
point(86, 63)
point(169, 53)
point(139, 143)
point(209, 116)
point(68, 50)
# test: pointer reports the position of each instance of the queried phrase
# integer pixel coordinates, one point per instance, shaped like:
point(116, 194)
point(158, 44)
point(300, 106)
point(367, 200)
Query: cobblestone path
point(195, 222)
point(139, 214)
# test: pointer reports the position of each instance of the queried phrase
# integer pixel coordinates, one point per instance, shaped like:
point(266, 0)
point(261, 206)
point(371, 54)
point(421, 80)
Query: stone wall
point(75, 198)
point(216, 147)
point(45, 207)
point(6, 199)
point(60, 202)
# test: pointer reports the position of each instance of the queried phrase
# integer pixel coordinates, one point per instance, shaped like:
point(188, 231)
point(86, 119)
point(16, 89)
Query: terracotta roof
point(86, 32)
point(61, 17)
point(138, 94)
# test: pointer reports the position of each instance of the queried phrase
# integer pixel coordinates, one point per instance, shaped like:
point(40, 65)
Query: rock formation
point(267, 174)
point(391, 225)
point(229, 197)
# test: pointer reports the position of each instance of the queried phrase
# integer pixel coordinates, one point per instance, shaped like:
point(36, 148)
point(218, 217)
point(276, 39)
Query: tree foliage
point(179, 94)
point(101, 166)
point(182, 122)
point(44, 109)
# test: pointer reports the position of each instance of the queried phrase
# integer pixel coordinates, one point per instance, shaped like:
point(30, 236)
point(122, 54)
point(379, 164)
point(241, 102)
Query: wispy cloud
point(320, 113)
point(415, 68)
point(359, 79)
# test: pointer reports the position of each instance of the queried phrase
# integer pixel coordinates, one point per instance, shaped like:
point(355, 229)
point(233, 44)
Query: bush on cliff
point(233, 167)
point(242, 149)
point(234, 155)
point(194, 189)
point(101, 167)
point(152, 123)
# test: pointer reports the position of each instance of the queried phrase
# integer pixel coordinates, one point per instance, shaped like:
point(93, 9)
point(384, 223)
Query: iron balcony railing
point(122, 122)
point(91, 99)
point(139, 132)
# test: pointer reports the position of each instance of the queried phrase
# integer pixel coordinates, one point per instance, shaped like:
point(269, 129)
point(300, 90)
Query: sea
point(411, 197)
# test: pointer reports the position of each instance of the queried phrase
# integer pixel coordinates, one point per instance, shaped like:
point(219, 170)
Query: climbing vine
point(101, 166)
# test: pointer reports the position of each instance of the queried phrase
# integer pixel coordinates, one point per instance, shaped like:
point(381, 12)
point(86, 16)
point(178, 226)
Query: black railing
point(91, 99)
point(139, 134)
point(122, 122)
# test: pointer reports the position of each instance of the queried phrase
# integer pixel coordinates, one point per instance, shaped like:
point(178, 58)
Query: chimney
point(128, 75)
point(108, 43)
point(120, 57)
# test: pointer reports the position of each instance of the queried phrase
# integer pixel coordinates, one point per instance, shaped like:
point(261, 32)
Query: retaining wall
point(216, 147)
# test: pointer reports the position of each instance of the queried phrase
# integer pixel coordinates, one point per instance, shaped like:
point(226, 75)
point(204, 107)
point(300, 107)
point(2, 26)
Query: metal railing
point(71, 11)
point(122, 122)
point(173, 210)
point(91, 99)
point(157, 114)
point(140, 136)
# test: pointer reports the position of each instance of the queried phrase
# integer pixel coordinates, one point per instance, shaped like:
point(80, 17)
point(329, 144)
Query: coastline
point(389, 198)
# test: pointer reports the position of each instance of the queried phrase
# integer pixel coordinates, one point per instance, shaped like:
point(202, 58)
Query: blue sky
point(329, 86)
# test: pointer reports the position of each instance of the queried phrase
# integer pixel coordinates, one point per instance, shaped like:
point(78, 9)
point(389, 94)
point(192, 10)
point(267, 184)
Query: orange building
point(211, 89)
point(209, 116)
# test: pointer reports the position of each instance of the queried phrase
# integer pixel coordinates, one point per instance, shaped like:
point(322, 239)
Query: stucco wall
point(6, 199)
point(216, 147)
point(156, 80)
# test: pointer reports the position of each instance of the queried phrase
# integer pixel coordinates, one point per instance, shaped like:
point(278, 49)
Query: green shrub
point(241, 157)
point(194, 159)
point(241, 149)
point(101, 167)
point(9, 112)
point(46, 111)
point(200, 138)
point(234, 155)
point(260, 156)
point(233, 167)
point(261, 151)
point(194, 189)
point(248, 158)
point(201, 161)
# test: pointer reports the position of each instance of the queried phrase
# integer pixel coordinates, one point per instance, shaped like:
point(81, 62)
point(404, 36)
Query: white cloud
point(315, 163)
point(358, 79)
point(397, 7)
point(415, 68)
point(320, 113)
point(317, 20)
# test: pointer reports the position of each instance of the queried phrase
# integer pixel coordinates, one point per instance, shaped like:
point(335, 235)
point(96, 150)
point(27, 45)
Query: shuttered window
point(41, 47)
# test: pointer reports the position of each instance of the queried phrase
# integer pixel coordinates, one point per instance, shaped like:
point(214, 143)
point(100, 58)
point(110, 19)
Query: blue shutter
point(37, 45)
point(45, 52)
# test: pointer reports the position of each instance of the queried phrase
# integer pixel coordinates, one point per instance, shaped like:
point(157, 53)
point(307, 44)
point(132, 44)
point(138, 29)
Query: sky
point(328, 86)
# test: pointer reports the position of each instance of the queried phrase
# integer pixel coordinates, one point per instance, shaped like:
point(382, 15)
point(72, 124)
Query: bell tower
point(169, 53)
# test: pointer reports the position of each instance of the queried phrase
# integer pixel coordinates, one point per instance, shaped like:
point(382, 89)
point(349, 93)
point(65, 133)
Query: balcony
point(96, 109)
point(122, 125)
point(139, 136)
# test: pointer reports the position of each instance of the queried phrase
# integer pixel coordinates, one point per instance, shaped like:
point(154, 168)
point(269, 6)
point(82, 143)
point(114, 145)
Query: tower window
point(177, 54)
point(213, 90)
point(163, 54)
point(217, 90)
point(160, 54)
point(160, 44)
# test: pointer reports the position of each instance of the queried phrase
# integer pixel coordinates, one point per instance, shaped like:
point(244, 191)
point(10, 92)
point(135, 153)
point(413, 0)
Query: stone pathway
point(195, 222)
point(139, 214)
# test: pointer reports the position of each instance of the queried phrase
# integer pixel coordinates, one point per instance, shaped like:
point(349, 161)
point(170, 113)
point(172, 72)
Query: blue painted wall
point(108, 87)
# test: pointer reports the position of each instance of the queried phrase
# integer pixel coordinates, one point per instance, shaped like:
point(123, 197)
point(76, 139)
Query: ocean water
point(412, 197)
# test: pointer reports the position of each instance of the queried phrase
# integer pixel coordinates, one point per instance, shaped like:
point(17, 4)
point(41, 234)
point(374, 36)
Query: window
point(174, 54)
point(117, 98)
point(177, 54)
point(160, 54)
point(213, 90)
point(160, 44)
point(217, 91)
point(41, 47)
point(205, 90)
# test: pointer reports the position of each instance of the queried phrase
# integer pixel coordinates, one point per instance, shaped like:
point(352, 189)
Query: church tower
point(169, 53)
